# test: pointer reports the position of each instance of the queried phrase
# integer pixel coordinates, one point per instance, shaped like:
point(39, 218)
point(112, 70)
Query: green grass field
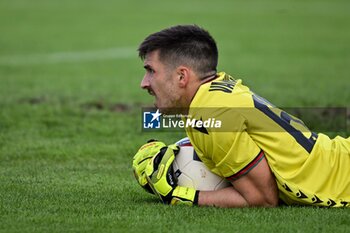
point(70, 106)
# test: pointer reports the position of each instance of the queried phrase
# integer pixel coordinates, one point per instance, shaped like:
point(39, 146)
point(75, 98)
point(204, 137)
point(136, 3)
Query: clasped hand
point(152, 166)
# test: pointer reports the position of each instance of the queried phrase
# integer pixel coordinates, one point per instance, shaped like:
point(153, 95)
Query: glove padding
point(184, 196)
point(140, 160)
point(160, 175)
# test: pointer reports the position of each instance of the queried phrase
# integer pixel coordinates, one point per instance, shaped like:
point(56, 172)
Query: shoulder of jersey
point(225, 91)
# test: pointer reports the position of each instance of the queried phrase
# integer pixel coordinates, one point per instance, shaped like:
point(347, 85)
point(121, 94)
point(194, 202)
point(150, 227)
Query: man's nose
point(145, 82)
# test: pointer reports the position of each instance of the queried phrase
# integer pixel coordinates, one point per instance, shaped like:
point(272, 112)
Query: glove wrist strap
point(195, 200)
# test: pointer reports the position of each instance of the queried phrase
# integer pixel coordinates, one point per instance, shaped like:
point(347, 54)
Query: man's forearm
point(227, 197)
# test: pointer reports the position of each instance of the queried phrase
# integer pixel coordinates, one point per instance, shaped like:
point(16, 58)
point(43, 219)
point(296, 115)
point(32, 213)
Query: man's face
point(161, 82)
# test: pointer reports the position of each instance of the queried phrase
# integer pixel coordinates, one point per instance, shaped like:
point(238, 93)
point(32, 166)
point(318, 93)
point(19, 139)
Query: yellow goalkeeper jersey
point(239, 128)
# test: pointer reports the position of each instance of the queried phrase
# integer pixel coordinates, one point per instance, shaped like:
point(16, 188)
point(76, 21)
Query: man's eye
point(149, 70)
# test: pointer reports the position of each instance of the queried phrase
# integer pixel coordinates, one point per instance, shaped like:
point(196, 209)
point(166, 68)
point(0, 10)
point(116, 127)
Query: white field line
point(69, 57)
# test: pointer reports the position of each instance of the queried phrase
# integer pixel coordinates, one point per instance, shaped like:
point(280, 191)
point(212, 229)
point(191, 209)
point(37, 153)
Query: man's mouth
point(151, 92)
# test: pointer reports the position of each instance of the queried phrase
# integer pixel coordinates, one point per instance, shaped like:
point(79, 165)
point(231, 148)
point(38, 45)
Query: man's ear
point(184, 74)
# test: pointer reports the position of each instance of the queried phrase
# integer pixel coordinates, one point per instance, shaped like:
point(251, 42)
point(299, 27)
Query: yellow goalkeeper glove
point(140, 160)
point(160, 175)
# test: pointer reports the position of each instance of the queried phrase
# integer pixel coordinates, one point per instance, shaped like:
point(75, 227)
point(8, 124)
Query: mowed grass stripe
point(69, 57)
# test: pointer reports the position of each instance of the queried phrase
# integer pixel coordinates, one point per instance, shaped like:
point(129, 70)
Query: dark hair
point(183, 45)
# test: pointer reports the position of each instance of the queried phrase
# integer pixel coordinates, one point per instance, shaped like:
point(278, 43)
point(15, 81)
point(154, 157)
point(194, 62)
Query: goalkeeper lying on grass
point(267, 154)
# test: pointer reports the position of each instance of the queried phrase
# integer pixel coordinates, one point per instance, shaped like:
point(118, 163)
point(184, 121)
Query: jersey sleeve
point(238, 155)
point(229, 152)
